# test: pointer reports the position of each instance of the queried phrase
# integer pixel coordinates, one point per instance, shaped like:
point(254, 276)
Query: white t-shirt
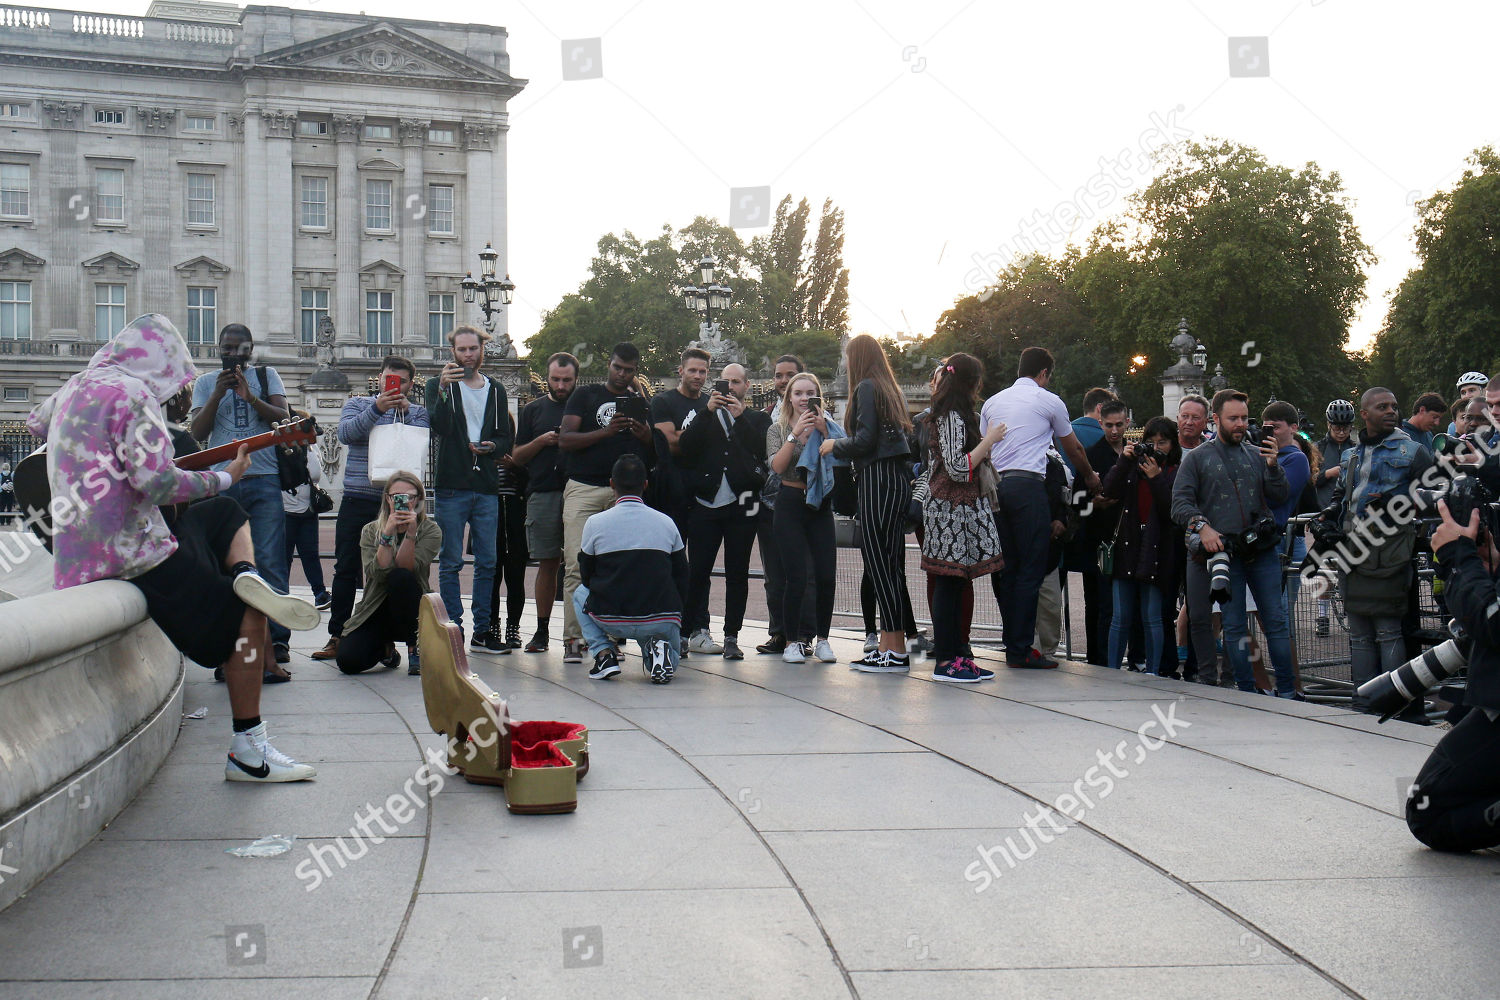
point(1032, 417)
point(474, 400)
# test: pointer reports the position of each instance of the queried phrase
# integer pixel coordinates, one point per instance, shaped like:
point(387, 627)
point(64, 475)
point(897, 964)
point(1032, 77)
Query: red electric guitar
point(34, 491)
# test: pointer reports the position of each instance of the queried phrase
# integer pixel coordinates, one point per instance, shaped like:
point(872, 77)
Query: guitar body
point(33, 488)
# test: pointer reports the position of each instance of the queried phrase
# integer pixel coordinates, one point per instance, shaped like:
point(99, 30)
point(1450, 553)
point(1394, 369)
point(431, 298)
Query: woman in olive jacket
point(1147, 542)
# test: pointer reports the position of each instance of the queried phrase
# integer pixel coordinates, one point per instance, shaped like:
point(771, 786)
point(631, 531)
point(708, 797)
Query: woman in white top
point(302, 530)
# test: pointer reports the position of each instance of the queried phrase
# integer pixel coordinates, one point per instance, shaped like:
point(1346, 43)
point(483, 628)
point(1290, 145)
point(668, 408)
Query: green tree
point(803, 283)
point(1445, 317)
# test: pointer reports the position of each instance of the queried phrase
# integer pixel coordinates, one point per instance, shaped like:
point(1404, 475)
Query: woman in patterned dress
point(960, 541)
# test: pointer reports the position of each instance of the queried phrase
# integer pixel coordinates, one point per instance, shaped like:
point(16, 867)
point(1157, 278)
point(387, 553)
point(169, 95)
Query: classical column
point(277, 235)
point(72, 205)
point(414, 225)
point(164, 212)
point(486, 189)
point(348, 219)
point(255, 261)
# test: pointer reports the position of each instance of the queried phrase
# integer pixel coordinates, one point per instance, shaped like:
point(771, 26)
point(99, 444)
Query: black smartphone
point(722, 387)
point(815, 403)
point(633, 407)
point(231, 363)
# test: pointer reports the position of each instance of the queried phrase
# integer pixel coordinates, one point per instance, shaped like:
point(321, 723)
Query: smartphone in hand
point(392, 383)
point(722, 387)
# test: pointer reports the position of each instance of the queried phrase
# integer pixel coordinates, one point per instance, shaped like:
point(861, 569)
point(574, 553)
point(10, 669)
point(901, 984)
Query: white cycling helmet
point(1340, 411)
point(1473, 378)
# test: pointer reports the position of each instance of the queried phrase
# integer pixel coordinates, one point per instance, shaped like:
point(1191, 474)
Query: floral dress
point(959, 537)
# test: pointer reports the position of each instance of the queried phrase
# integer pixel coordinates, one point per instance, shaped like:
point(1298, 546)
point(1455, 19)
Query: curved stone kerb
point(46, 626)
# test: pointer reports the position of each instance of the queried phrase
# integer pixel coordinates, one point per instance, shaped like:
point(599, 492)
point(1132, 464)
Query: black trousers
point(1025, 524)
point(354, 514)
point(883, 489)
point(511, 557)
point(770, 563)
point(947, 613)
point(394, 621)
point(733, 527)
point(1455, 805)
point(803, 531)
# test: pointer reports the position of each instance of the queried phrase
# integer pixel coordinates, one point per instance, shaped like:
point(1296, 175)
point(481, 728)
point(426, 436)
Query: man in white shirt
point(1032, 417)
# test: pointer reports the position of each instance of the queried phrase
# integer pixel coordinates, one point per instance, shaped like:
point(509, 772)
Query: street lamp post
point(707, 299)
point(489, 291)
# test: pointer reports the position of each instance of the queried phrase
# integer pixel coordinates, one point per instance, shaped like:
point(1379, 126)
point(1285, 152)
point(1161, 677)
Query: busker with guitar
point(237, 402)
point(104, 428)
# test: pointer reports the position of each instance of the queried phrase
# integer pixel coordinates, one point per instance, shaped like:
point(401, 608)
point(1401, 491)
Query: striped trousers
point(882, 491)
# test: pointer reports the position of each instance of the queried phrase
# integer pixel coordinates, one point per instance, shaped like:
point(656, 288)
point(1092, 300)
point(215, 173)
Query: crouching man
point(632, 567)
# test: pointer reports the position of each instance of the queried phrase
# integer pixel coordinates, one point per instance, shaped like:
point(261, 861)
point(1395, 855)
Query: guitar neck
point(200, 460)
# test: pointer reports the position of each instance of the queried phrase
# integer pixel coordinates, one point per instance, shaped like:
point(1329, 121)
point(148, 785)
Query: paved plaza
point(763, 830)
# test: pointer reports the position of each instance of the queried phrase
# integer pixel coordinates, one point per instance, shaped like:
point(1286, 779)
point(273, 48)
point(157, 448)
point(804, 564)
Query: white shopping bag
point(397, 446)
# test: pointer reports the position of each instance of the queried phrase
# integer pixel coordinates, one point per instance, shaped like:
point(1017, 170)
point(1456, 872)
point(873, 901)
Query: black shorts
point(191, 595)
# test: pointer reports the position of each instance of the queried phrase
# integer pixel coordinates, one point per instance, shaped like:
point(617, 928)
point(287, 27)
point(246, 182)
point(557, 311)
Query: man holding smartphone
point(470, 429)
point(361, 500)
point(239, 401)
point(595, 432)
point(546, 475)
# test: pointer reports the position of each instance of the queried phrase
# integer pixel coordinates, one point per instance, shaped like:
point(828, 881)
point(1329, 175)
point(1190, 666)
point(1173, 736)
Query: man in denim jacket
point(1383, 463)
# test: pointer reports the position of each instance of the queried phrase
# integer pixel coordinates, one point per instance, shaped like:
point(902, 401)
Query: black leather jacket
point(869, 439)
point(1470, 592)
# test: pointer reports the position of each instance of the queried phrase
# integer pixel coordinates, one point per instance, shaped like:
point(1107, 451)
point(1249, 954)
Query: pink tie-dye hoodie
point(109, 456)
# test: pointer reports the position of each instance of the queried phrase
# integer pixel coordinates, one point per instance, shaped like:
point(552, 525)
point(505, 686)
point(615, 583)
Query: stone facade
point(261, 165)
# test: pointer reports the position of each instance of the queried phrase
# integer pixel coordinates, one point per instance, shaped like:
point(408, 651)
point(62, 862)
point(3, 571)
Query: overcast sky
point(946, 129)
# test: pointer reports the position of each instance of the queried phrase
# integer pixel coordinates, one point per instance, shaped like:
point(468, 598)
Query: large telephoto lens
point(1390, 692)
point(1218, 578)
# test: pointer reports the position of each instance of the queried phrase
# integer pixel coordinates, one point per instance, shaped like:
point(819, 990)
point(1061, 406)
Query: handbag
point(989, 482)
point(921, 490)
point(396, 447)
point(322, 502)
point(845, 496)
point(291, 460)
point(1107, 558)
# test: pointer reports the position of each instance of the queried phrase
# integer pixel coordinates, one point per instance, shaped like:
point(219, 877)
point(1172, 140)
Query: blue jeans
point(453, 510)
point(1293, 583)
point(260, 496)
point(1127, 594)
point(598, 639)
point(1263, 576)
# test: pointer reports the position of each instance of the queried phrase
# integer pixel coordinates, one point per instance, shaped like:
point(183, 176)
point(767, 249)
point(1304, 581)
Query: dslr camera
point(1391, 692)
point(1144, 451)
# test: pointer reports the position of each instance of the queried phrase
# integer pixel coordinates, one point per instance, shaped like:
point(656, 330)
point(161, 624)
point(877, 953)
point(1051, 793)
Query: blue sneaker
point(413, 661)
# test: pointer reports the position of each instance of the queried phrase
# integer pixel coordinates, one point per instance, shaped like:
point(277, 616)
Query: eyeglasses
point(409, 496)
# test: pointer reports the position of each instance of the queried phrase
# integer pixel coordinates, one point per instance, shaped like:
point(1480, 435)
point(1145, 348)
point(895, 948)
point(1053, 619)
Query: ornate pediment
point(388, 52)
point(381, 274)
point(15, 259)
point(112, 263)
point(202, 265)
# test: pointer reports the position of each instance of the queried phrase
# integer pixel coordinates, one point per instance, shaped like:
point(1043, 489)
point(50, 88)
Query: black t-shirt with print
point(548, 468)
point(594, 405)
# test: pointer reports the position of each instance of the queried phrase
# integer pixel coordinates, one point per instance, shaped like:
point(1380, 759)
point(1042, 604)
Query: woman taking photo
point(1145, 548)
point(802, 521)
point(959, 537)
point(879, 446)
point(397, 550)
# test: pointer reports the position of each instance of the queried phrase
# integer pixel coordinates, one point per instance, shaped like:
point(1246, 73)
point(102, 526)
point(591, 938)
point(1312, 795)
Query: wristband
point(387, 539)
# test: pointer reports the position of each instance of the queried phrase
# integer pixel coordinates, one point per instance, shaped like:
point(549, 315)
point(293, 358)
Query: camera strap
point(1239, 498)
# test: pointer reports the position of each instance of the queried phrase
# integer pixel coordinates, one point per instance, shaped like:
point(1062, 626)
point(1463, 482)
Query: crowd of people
point(625, 501)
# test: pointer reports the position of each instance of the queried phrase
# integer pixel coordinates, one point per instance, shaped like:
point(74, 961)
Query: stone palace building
point(262, 165)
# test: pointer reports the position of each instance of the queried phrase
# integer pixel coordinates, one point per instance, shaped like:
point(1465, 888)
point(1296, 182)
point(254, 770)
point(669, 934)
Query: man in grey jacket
point(361, 500)
point(1224, 489)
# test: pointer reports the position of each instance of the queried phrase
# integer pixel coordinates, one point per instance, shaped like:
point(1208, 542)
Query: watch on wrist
point(791, 439)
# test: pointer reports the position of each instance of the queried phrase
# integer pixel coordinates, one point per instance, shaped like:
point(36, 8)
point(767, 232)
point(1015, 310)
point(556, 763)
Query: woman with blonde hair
point(879, 446)
point(802, 521)
point(397, 550)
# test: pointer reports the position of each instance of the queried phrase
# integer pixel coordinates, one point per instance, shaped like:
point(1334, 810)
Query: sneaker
point(1322, 626)
point(795, 652)
point(494, 644)
point(1033, 660)
point(660, 667)
point(330, 651)
point(571, 652)
point(605, 666)
point(919, 644)
point(253, 758)
point(732, 648)
point(323, 602)
point(872, 642)
point(884, 662)
point(413, 661)
point(984, 674)
point(480, 643)
point(702, 642)
point(682, 648)
point(391, 659)
point(824, 652)
point(872, 658)
point(282, 652)
point(513, 636)
point(538, 642)
point(956, 671)
point(293, 612)
point(772, 646)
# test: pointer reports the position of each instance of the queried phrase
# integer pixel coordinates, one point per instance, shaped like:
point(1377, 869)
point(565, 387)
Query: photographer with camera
point(1454, 805)
point(1383, 463)
point(1222, 497)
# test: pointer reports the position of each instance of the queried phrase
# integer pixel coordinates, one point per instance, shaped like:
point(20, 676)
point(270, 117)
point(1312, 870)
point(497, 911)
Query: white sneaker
point(253, 758)
point(660, 667)
point(824, 652)
point(702, 642)
point(796, 652)
point(872, 641)
point(293, 612)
